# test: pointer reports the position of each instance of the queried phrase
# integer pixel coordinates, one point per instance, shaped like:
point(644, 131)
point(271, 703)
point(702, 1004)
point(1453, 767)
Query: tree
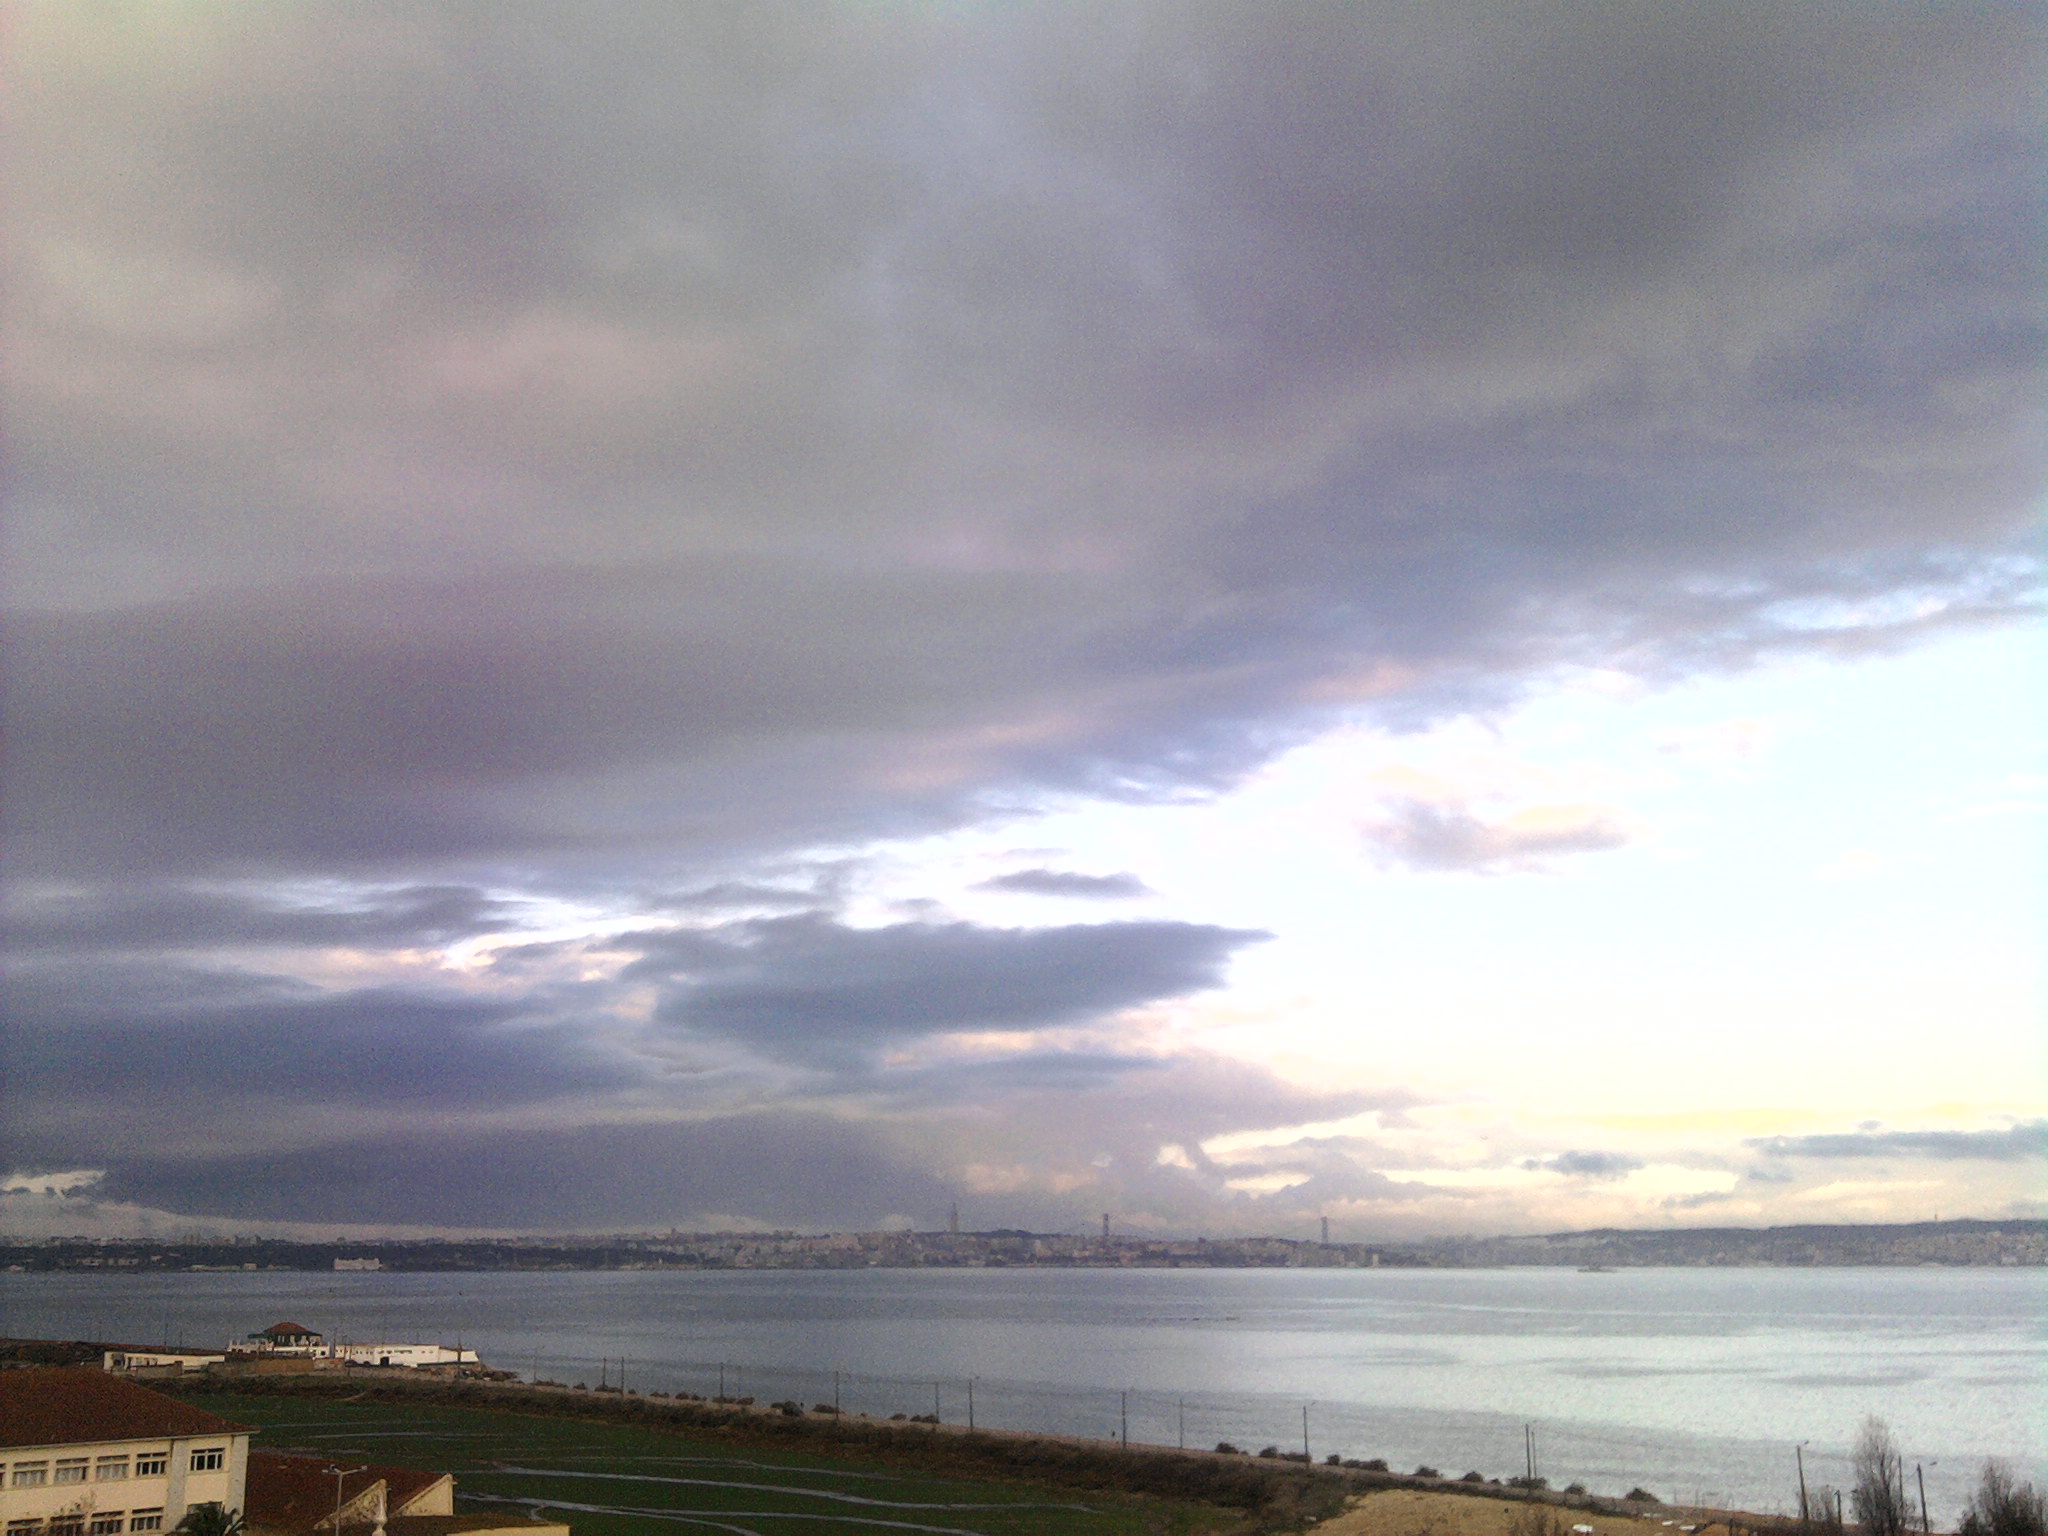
point(211, 1520)
point(2001, 1507)
point(1879, 1495)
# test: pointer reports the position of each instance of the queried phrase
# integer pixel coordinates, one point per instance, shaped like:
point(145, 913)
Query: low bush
point(2003, 1507)
point(1427, 1472)
point(1641, 1496)
point(1473, 1477)
point(1225, 1448)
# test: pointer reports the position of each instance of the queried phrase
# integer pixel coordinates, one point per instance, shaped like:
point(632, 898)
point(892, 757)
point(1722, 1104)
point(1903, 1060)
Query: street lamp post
point(339, 1473)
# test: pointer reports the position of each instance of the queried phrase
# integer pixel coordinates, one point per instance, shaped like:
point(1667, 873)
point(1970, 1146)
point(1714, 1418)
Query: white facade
point(403, 1354)
point(105, 1487)
point(142, 1359)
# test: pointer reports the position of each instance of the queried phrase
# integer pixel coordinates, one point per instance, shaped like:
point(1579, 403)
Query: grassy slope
point(627, 1480)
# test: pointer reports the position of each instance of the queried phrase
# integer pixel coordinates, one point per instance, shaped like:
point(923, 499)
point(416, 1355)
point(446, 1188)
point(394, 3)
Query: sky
point(626, 616)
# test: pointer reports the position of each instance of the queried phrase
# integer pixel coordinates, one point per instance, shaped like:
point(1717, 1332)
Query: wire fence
point(1695, 1470)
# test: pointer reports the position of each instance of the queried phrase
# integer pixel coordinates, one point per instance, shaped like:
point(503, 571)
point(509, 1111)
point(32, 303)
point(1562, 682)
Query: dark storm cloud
point(473, 449)
point(169, 917)
point(659, 432)
point(810, 985)
point(790, 1169)
point(85, 1045)
point(1588, 1165)
point(1065, 882)
point(2017, 1143)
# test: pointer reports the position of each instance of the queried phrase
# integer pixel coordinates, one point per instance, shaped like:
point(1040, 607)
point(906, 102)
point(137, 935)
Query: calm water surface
point(1696, 1383)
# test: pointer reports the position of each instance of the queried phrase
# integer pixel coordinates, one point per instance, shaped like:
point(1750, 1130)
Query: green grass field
point(616, 1480)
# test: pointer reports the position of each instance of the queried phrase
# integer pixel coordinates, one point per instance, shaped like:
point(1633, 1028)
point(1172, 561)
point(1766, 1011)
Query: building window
point(23, 1527)
point(152, 1463)
point(67, 1525)
point(111, 1523)
point(110, 1469)
point(31, 1474)
point(146, 1520)
point(212, 1459)
point(71, 1469)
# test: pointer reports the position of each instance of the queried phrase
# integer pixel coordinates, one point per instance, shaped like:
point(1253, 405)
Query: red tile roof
point(295, 1493)
point(67, 1406)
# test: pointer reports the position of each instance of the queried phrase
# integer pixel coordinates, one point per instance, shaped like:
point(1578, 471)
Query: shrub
point(789, 1410)
point(1535, 1520)
point(2002, 1507)
point(1532, 1483)
point(1427, 1472)
point(1271, 1452)
point(1473, 1477)
point(1576, 1488)
point(1377, 1464)
point(1641, 1496)
point(1225, 1448)
point(823, 1408)
point(1333, 1460)
point(1879, 1494)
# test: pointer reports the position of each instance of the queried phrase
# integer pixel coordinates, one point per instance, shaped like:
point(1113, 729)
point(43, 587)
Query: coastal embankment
point(1272, 1491)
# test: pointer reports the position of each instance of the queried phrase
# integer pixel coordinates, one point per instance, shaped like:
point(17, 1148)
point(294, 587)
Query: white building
point(127, 1359)
point(88, 1454)
point(402, 1354)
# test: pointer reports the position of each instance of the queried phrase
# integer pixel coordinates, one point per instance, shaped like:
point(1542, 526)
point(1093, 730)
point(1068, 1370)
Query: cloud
point(1061, 882)
point(814, 987)
point(916, 413)
point(1434, 837)
point(463, 472)
point(1588, 1165)
point(101, 1064)
point(170, 917)
point(2016, 1143)
point(786, 1168)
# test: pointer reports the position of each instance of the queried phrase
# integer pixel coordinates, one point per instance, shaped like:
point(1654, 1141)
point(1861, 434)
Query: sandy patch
point(1420, 1512)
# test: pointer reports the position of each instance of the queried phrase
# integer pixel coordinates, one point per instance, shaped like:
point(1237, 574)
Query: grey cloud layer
point(809, 984)
point(1066, 882)
point(473, 449)
point(2028, 1139)
point(574, 435)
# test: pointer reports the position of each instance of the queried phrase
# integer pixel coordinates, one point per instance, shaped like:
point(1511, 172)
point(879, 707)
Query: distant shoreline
point(1958, 1244)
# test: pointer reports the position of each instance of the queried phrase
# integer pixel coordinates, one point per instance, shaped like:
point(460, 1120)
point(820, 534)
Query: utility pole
point(1528, 1453)
point(935, 1407)
point(835, 1394)
point(721, 1381)
point(1105, 1226)
point(1920, 1473)
point(1805, 1514)
point(970, 1404)
point(1123, 1413)
point(1326, 1231)
point(1304, 1434)
point(1182, 1442)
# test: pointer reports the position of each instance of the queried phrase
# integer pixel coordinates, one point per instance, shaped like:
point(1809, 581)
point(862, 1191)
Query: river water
point(1694, 1383)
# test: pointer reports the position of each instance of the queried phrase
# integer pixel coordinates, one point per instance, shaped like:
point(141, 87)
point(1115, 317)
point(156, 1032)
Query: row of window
point(111, 1469)
point(111, 1522)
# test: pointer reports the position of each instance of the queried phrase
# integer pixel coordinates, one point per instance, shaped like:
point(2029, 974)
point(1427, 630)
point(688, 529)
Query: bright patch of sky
point(1823, 891)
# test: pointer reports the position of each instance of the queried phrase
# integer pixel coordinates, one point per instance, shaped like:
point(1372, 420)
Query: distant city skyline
point(746, 618)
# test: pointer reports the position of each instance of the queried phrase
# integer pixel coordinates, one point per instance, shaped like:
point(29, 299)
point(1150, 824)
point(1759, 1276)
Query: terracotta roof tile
point(295, 1493)
point(55, 1405)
